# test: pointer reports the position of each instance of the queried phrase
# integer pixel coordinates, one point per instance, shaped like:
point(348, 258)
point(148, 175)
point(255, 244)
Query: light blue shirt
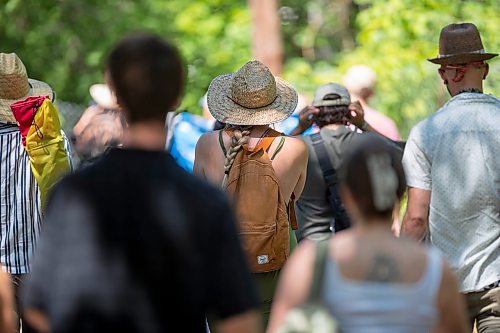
point(455, 154)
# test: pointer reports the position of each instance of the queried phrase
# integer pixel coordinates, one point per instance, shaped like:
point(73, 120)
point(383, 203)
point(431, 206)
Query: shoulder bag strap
point(278, 149)
point(330, 176)
point(221, 142)
point(329, 173)
point(266, 140)
point(319, 271)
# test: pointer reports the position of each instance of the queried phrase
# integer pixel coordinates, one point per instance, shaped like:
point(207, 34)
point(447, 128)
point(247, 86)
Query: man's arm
point(199, 156)
point(452, 316)
point(306, 119)
point(416, 220)
point(6, 303)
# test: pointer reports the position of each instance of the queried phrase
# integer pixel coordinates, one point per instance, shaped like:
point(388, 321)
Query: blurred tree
point(267, 45)
point(65, 42)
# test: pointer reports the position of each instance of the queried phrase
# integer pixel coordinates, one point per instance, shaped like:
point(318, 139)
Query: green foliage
point(395, 37)
point(66, 42)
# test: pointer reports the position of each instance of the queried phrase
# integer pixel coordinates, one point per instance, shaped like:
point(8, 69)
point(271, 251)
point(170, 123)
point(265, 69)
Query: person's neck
point(149, 135)
point(374, 226)
point(332, 126)
point(363, 101)
point(466, 87)
point(258, 130)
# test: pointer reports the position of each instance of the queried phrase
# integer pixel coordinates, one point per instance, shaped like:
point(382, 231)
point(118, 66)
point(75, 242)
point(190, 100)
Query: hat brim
point(339, 102)
point(225, 110)
point(462, 58)
point(37, 88)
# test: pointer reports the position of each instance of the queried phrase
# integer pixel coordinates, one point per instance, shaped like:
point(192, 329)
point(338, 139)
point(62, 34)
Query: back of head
point(103, 131)
point(147, 76)
point(374, 175)
point(360, 81)
point(332, 100)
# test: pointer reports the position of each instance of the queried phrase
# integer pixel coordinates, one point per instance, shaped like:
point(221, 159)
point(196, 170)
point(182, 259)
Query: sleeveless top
point(376, 307)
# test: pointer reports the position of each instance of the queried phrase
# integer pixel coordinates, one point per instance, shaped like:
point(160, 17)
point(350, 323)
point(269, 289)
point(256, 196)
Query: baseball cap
point(331, 94)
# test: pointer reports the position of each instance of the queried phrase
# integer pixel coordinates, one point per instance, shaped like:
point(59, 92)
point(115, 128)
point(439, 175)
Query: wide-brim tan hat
point(16, 86)
point(251, 96)
point(460, 44)
point(103, 96)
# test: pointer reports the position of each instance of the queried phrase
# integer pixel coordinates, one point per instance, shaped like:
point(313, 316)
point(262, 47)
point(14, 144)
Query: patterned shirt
point(20, 214)
point(455, 154)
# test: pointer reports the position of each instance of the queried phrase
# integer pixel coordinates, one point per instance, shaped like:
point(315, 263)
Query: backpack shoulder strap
point(221, 142)
point(319, 271)
point(280, 145)
point(267, 140)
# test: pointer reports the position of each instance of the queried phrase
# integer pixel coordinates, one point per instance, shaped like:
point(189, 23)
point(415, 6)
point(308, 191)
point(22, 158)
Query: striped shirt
point(20, 214)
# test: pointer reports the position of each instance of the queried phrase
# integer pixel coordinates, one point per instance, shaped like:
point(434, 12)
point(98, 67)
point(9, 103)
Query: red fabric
point(24, 112)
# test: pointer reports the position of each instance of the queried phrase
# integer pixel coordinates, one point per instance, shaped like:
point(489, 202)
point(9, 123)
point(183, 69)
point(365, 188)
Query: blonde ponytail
point(241, 135)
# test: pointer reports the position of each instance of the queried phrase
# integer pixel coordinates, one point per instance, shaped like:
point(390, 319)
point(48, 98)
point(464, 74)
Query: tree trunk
point(266, 35)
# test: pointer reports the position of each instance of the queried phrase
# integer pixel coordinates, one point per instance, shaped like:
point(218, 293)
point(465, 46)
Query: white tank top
point(377, 307)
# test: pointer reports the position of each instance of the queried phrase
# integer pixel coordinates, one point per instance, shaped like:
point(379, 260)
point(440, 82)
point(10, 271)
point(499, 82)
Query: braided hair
point(241, 135)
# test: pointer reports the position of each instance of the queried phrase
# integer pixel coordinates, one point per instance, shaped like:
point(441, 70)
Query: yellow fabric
point(45, 146)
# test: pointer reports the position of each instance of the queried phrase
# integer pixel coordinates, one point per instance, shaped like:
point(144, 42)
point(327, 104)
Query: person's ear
point(459, 74)
point(486, 71)
point(441, 72)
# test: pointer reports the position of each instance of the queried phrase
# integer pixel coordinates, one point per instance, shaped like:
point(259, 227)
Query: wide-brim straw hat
point(16, 86)
point(103, 96)
point(251, 96)
point(460, 44)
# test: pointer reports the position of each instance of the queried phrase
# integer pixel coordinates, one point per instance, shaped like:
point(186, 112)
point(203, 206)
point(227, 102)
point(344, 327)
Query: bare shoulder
point(207, 139)
point(295, 146)
point(290, 140)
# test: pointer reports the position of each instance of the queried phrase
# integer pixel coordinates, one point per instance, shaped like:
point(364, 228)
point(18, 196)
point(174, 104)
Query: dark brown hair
point(336, 114)
point(147, 74)
point(356, 176)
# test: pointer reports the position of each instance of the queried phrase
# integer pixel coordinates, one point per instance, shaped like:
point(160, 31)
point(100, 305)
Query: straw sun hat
point(251, 96)
point(15, 85)
point(460, 44)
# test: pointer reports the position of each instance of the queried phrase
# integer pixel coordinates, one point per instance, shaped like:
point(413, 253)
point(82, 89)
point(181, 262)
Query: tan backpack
point(260, 209)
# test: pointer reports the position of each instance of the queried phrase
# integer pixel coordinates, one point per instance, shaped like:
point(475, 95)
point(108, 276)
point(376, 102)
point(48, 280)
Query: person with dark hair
point(332, 111)
point(373, 281)
point(133, 243)
point(452, 165)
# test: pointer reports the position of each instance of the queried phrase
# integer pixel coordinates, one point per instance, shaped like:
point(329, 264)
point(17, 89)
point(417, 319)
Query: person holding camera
point(319, 210)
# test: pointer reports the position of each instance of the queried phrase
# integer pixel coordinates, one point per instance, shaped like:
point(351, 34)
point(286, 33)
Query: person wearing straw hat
point(452, 164)
point(20, 204)
point(248, 101)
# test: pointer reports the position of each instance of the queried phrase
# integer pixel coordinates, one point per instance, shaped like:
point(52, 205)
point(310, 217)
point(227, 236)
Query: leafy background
point(65, 43)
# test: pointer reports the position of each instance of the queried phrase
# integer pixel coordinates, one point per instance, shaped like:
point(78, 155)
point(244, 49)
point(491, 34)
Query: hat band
point(257, 107)
point(451, 55)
